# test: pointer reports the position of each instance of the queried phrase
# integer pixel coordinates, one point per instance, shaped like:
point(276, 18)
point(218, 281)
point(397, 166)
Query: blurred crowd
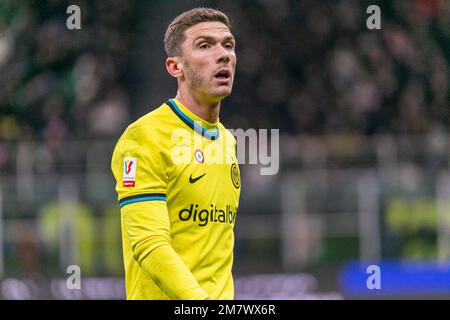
point(314, 67)
point(303, 67)
point(56, 83)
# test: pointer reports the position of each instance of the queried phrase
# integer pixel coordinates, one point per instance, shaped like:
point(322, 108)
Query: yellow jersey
point(178, 185)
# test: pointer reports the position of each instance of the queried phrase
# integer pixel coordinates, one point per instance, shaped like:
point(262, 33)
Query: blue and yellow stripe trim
point(141, 198)
point(208, 134)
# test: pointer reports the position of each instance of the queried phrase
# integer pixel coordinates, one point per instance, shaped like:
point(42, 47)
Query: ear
point(174, 67)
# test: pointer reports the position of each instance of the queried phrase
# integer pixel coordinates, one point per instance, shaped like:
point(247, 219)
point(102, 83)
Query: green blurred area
point(94, 238)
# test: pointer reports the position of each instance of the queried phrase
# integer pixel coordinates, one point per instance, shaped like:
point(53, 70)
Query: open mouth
point(223, 74)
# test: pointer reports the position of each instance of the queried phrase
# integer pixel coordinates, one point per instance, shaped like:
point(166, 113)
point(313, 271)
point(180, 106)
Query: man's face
point(209, 60)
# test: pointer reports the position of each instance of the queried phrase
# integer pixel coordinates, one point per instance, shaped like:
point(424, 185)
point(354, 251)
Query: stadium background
point(364, 149)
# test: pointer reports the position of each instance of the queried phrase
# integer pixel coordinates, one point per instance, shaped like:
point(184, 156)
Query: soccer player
point(177, 174)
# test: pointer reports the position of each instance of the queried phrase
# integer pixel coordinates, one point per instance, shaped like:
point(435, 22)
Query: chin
point(223, 92)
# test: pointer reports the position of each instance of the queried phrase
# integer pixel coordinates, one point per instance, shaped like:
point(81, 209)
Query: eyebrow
point(211, 39)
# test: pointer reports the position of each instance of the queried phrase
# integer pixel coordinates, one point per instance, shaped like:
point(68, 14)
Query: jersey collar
point(206, 129)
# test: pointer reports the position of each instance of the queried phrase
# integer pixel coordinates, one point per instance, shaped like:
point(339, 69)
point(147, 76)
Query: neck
point(206, 111)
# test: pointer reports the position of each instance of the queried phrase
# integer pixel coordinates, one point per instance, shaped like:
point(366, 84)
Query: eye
point(204, 45)
point(229, 45)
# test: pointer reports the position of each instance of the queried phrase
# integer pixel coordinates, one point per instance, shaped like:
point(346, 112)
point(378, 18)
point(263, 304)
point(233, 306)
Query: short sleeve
point(137, 165)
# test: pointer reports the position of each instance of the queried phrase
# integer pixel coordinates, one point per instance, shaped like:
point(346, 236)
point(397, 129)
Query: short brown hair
point(175, 36)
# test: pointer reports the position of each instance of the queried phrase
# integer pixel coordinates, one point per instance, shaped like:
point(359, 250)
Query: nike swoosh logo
point(193, 180)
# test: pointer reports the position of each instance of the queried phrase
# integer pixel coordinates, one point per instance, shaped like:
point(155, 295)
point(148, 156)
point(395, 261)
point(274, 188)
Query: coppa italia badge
point(129, 172)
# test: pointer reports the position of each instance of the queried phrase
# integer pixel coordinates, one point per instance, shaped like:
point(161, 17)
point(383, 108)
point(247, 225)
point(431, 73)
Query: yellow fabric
point(177, 225)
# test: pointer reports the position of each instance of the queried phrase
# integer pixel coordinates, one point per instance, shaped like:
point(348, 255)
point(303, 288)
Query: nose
point(224, 55)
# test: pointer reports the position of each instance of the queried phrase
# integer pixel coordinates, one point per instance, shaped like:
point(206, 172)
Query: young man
point(177, 173)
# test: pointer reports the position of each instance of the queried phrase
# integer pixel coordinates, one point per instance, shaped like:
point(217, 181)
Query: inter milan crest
point(235, 176)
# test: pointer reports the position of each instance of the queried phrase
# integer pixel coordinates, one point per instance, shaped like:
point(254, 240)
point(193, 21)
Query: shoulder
point(228, 133)
point(148, 130)
point(152, 122)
